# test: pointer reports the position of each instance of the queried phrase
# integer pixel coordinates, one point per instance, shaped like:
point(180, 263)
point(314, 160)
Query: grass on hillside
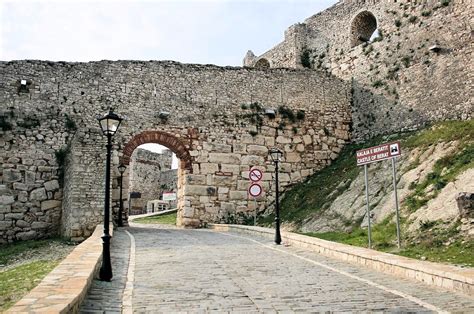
point(167, 219)
point(430, 245)
point(18, 281)
point(315, 195)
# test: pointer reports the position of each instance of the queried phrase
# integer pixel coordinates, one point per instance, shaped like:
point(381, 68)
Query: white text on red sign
point(378, 153)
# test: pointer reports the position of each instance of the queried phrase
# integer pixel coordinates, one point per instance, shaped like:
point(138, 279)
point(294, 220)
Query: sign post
point(378, 153)
point(394, 170)
point(368, 206)
point(255, 189)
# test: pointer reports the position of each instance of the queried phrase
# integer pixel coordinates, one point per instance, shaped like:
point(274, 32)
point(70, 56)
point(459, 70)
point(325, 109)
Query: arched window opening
point(262, 64)
point(363, 27)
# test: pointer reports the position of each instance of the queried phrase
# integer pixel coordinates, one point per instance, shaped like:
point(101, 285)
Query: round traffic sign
point(255, 175)
point(255, 190)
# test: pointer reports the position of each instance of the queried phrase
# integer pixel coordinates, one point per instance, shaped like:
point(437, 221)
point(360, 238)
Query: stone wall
point(146, 170)
point(202, 113)
point(398, 82)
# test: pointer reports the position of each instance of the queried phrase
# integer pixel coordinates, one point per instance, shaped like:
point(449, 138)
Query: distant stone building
point(150, 175)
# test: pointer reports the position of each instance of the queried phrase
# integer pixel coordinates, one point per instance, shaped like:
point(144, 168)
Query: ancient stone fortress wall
point(53, 153)
point(146, 170)
point(419, 70)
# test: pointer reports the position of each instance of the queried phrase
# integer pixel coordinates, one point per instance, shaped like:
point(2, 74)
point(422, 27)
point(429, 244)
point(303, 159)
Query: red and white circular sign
point(255, 190)
point(255, 175)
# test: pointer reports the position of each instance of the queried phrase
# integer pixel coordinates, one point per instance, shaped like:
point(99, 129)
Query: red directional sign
point(378, 153)
point(255, 175)
point(255, 190)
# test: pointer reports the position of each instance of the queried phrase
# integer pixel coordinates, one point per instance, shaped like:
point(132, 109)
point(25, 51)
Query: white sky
point(156, 148)
point(191, 31)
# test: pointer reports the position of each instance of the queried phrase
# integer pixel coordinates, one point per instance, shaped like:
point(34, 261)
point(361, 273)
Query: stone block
point(307, 139)
point(240, 148)
point(45, 205)
point(223, 180)
point(30, 177)
point(222, 158)
point(11, 175)
point(15, 216)
point(234, 169)
point(222, 190)
point(39, 225)
point(51, 185)
point(198, 190)
point(295, 176)
point(20, 186)
point(269, 141)
point(22, 224)
point(28, 235)
point(188, 212)
point(5, 225)
point(253, 160)
point(38, 194)
point(293, 157)
point(195, 179)
point(258, 150)
point(238, 195)
point(283, 140)
point(7, 199)
point(208, 168)
point(228, 207)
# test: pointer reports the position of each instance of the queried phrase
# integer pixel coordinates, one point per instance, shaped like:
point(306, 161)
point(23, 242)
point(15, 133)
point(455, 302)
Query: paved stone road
point(206, 271)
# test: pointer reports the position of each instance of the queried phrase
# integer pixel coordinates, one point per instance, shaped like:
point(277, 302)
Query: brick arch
point(157, 137)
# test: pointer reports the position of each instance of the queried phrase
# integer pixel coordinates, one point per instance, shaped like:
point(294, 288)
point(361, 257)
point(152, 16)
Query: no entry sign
point(378, 153)
point(255, 190)
point(255, 175)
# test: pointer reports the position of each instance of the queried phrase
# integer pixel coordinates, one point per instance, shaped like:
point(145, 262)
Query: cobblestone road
point(206, 271)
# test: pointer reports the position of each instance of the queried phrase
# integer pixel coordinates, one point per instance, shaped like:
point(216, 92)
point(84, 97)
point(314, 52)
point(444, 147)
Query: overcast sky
point(191, 31)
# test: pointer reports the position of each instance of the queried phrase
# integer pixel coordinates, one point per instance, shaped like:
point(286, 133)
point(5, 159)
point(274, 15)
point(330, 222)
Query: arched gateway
point(212, 117)
point(171, 142)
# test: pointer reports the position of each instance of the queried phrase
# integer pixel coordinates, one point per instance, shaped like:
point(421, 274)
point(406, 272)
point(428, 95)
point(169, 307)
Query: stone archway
point(171, 142)
point(362, 28)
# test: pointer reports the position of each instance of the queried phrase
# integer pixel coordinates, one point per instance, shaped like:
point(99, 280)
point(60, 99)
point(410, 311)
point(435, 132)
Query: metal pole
point(277, 207)
point(368, 206)
point(255, 216)
point(394, 170)
point(120, 219)
point(105, 273)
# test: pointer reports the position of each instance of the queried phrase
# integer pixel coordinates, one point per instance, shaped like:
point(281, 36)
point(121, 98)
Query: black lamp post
point(276, 154)
point(109, 124)
point(121, 169)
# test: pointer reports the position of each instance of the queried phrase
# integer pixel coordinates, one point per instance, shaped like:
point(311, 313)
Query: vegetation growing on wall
point(257, 116)
point(4, 124)
point(61, 159)
point(305, 58)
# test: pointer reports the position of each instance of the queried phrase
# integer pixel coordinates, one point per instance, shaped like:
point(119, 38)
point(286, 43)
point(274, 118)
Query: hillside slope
point(436, 166)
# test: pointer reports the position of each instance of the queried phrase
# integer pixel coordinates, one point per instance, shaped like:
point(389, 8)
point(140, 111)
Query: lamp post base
point(105, 273)
point(277, 231)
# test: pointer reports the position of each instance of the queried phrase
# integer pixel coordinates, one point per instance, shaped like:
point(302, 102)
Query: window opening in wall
point(363, 28)
point(262, 64)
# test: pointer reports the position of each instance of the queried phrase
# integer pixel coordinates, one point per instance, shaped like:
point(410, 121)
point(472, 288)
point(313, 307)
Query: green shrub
point(70, 124)
point(398, 23)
